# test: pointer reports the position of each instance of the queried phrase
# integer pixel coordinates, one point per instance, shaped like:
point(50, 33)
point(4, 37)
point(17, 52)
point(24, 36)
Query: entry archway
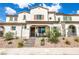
point(39, 30)
point(71, 30)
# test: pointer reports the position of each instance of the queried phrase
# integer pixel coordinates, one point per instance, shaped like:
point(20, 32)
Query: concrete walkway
point(38, 51)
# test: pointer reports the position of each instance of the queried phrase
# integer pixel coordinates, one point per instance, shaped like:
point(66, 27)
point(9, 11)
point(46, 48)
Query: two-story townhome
point(38, 22)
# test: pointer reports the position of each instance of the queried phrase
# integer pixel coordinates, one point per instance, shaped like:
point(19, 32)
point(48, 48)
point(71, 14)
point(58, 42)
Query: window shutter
point(15, 18)
point(42, 17)
point(35, 17)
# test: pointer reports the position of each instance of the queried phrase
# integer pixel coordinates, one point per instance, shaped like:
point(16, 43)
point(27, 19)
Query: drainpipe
point(21, 31)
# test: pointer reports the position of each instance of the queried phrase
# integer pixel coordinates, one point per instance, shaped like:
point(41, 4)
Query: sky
point(15, 8)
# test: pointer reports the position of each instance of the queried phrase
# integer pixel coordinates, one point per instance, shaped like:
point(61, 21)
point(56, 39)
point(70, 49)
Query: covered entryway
point(71, 30)
point(1, 31)
point(38, 31)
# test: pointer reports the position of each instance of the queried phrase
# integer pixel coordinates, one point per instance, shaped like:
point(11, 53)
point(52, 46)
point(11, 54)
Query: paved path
point(30, 42)
point(39, 51)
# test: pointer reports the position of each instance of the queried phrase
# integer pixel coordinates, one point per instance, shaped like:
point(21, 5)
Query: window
point(24, 17)
point(59, 19)
point(41, 29)
point(25, 27)
point(15, 19)
point(67, 18)
point(38, 17)
point(13, 27)
point(11, 18)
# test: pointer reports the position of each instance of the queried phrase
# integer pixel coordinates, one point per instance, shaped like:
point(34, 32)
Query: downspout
point(21, 31)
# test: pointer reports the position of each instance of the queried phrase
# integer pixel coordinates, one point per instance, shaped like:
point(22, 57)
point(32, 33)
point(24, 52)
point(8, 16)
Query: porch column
point(35, 31)
point(77, 30)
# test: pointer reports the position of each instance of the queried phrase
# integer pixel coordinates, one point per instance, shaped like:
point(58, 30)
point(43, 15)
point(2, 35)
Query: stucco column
point(77, 30)
point(66, 32)
point(21, 31)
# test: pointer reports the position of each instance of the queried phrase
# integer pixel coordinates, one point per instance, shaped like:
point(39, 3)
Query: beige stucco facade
point(50, 19)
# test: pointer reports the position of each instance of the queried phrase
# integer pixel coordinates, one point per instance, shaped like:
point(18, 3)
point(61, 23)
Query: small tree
point(9, 35)
point(53, 36)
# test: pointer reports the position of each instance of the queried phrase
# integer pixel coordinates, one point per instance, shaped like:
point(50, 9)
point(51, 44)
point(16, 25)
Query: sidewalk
point(38, 51)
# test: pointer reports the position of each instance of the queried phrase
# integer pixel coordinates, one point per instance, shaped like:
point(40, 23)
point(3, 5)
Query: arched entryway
point(1, 31)
point(39, 30)
point(71, 30)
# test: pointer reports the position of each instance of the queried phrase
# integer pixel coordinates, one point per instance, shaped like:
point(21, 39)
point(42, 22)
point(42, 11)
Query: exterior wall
point(52, 16)
point(9, 29)
point(18, 32)
point(59, 16)
point(21, 15)
point(41, 11)
point(75, 18)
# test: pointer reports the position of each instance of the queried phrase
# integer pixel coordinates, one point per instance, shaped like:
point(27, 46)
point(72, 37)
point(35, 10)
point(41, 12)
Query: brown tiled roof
point(41, 22)
point(50, 22)
point(51, 12)
point(11, 24)
point(23, 12)
point(12, 15)
point(40, 7)
point(67, 14)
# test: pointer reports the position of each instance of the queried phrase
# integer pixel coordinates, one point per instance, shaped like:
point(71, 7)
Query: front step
point(30, 42)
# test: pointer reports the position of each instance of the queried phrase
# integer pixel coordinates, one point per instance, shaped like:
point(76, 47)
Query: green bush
point(53, 36)
point(17, 37)
point(20, 44)
point(9, 36)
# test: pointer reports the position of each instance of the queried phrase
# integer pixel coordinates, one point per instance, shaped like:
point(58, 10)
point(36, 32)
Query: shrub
point(67, 42)
point(9, 42)
point(77, 40)
point(53, 36)
point(42, 42)
point(52, 40)
point(17, 37)
point(20, 44)
point(63, 38)
point(9, 36)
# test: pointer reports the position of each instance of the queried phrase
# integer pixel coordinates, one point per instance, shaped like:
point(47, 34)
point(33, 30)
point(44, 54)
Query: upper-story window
point(24, 17)
point(13, 27)
point(15, 19)
point(50, 18)
point(67, 18)
point(25, 26)
point(39, 17)
point(11, 18)
point(59, 19)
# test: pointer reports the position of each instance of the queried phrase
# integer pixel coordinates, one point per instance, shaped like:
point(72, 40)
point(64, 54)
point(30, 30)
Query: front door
point(32, 31)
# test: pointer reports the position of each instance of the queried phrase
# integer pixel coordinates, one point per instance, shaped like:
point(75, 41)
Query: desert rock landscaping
point(66, 42)
point(8, 44)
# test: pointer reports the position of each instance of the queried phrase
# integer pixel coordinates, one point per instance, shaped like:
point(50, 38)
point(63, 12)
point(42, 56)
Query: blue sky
point(15, 8)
